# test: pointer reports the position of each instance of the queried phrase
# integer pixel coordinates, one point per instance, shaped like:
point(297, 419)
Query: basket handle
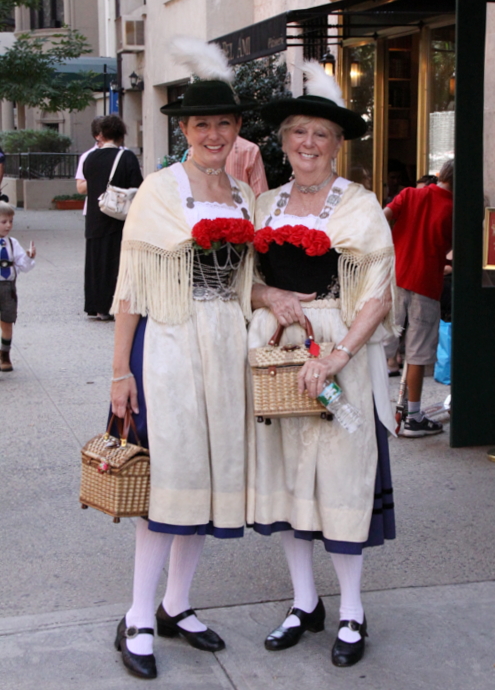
point(123, 426)
point(276, 337)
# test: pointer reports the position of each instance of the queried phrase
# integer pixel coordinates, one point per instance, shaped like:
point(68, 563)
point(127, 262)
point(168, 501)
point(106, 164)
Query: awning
point(354, 18)
point(104, 69)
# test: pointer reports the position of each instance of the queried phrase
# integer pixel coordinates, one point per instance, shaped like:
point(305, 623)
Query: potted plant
point(69, 202)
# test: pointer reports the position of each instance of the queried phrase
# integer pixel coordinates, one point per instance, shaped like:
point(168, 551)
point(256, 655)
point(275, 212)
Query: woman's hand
point(124, 393)
point(315, 372)
point(284, 304)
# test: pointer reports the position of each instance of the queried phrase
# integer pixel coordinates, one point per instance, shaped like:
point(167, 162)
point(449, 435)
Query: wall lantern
point(137, 84)
point(355, 73)
point(328, 63)
point(452, 86)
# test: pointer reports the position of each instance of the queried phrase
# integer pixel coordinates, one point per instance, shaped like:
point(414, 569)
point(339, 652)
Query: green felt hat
point(208, 97)
point(353, 124)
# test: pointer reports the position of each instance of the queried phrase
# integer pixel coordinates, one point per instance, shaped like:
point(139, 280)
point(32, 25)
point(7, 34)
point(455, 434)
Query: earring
point(284, 159)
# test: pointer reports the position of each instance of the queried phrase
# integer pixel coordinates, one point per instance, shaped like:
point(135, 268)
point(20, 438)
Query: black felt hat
point(208, 97)
point(316, 106)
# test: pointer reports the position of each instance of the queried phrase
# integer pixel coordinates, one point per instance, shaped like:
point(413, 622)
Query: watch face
point(131, 632)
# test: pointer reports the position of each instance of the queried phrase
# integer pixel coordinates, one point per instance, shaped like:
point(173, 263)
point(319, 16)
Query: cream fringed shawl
point(156, 259)
point(360, 233)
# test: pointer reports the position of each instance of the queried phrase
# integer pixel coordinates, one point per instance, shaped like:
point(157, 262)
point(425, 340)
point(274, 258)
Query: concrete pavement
point(66, 574)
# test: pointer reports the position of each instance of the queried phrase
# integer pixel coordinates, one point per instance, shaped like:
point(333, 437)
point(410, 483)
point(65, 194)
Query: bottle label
point(330, 394)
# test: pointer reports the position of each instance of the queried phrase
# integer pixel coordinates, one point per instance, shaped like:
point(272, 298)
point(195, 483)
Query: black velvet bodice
point(289, 268)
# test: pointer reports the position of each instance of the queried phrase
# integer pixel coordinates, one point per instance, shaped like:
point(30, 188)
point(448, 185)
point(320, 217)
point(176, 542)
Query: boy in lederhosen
point(13, 259)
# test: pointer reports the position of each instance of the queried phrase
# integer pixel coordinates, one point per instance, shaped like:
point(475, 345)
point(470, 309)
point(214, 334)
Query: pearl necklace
point(313, 188)
point(207, 171)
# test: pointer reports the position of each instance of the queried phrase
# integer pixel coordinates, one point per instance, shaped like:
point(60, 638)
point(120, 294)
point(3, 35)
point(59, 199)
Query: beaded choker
point(312, 188)
point(207, 171)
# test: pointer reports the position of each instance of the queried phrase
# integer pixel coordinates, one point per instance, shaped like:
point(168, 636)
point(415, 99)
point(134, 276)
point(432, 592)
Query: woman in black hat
point(325, 252)
point(186, 263)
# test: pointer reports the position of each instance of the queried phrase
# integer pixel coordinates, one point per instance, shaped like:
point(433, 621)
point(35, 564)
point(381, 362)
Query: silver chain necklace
point(207, 171)
point(312, 188)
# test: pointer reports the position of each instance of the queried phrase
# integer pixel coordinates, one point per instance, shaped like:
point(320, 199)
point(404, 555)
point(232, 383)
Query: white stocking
point(299, 555)
point(152, 549)
point(184, 558)
point(348, 569)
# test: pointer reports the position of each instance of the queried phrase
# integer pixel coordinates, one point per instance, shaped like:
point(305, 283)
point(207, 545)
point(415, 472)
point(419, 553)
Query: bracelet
point(130, 375)
point(345, 349)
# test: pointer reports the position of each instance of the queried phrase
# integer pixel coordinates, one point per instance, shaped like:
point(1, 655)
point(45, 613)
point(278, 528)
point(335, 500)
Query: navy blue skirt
point(382, 524)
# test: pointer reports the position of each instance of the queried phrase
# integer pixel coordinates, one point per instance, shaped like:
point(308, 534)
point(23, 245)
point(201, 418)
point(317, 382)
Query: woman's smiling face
point(212, 137)
point(311, 144)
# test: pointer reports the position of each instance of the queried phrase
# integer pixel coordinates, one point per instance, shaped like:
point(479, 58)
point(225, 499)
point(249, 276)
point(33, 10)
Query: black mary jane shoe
point(349, 653)
point(167, 626)
point(140, 665)
point(283, 638)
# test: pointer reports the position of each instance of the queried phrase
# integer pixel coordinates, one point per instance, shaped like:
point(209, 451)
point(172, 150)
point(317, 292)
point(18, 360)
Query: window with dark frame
point(49, 15)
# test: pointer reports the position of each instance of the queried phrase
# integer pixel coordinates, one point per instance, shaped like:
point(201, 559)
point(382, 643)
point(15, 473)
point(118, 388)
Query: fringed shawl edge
point(364, 277)
point(158, 283)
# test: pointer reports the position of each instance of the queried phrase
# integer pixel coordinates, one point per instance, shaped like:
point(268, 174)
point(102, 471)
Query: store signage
point(255, 41)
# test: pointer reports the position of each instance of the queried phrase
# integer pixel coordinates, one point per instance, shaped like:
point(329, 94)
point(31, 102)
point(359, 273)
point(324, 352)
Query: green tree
point(29, 68)
point(264, 80)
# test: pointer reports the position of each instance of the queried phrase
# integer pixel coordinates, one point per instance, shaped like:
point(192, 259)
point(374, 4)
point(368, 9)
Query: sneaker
point(426, 427)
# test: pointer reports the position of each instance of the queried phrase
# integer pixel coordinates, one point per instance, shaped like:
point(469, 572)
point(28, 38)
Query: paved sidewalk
point(67, 574)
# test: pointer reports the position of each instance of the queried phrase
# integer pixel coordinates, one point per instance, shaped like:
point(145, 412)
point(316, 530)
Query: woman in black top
point(103, 233)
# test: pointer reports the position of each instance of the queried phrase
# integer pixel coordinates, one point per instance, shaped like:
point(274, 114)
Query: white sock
point(299, 555)
point(348, 569)
point(152, 549)
point(414, 410)
point(184, 558)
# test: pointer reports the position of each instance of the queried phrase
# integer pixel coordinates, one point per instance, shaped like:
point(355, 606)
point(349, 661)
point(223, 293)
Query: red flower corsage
point(210, 235)
point(314, 242)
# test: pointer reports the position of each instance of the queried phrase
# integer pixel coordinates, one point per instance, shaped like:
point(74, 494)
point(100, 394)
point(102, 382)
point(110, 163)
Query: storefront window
point(442, 89)
point(360, 61)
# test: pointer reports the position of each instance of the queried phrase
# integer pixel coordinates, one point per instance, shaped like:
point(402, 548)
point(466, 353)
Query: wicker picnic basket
point(274, 374)
point(115, 474)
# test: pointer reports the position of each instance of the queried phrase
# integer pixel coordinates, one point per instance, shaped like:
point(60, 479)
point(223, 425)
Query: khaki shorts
point(423, 318)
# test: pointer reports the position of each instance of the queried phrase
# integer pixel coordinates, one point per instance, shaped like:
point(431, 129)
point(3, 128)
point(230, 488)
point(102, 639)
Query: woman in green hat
point(325, 252)
point(186, 263)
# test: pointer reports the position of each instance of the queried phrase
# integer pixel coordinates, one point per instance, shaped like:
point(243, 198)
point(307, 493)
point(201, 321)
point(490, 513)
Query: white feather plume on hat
point(206, 60)
point(319, 83)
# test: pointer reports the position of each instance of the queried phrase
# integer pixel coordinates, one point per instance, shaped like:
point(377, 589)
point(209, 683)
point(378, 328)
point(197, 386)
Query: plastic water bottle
point(159, 164)
point(335, 401)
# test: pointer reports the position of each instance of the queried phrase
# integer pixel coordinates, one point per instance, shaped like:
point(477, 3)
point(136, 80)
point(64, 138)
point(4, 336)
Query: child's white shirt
point(21, 260)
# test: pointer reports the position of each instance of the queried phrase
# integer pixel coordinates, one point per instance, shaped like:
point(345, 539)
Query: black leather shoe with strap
point(349, 653)
point(283, 638)
point(140, 665)
point(167, 626)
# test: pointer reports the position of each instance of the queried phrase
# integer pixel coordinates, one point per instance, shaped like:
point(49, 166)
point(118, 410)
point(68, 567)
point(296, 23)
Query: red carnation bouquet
point(211, 235)
point(314, 242)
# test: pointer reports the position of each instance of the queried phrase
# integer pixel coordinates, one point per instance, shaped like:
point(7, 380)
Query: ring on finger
point(316, 376)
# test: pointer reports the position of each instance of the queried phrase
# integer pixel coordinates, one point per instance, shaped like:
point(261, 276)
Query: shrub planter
point(69, 205)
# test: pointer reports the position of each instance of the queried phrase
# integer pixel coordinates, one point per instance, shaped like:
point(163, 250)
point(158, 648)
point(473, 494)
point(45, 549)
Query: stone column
point(7, 111)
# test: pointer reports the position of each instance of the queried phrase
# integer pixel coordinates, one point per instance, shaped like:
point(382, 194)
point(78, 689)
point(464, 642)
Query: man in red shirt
point(421, 221)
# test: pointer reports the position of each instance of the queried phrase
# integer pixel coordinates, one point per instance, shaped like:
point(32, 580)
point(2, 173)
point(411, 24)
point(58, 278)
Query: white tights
point(299, 554)
point(152, 550)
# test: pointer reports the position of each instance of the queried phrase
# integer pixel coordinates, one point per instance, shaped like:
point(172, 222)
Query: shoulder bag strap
point(114, 166)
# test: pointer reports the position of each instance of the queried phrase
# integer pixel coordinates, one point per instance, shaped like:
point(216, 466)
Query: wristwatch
point(344, 349)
